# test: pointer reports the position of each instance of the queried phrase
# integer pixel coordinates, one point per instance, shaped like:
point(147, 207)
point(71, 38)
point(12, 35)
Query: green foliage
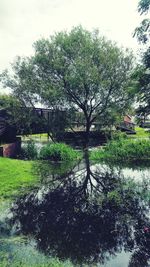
point(57, 122)
point(111, 117)
point(118, 135)
point(8, 101)
point(58, 152)
point(124, 150)
point(7, 261)
point(18, 115)
point(143, 6)
point(15, 175)
point(143, 92)
point(79, 69)
point(29, 151)
point(143, 31)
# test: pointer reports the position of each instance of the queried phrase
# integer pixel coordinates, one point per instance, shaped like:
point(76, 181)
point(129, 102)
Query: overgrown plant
point(118, 135)
point(58, 152)
point(29, 151)
point(124, 150)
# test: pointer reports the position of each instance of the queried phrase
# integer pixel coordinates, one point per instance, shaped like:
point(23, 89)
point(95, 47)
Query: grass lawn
point(15, 175)
point(140, 133)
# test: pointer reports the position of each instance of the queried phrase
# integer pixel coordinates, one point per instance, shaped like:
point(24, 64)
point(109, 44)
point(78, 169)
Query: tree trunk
point(87, 134)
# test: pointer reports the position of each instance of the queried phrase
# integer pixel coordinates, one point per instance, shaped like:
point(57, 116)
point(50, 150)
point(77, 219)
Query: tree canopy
point(20, 117)
point(79, 70)
point(143, 86)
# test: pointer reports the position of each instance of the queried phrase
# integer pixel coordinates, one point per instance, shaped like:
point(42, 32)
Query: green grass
point(15, 175)
point(123, 150)
point(140, 133)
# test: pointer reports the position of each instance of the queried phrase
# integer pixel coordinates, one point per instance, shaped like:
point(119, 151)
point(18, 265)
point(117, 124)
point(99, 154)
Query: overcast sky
point(22, 22)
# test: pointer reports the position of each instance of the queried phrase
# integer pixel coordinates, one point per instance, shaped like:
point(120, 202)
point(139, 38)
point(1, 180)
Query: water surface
point(93, 214)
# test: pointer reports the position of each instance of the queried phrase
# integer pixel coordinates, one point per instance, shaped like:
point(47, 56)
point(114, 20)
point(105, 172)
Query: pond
point(90, 213)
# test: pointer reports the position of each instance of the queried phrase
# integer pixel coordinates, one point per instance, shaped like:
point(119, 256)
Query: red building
point(127, 120)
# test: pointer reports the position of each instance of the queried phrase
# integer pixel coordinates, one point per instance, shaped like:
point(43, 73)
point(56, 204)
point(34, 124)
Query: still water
point(92, 214)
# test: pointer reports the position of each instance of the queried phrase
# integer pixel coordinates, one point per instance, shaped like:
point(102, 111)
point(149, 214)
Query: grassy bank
point(123, 150)
point(142, 132)
point(15, 175)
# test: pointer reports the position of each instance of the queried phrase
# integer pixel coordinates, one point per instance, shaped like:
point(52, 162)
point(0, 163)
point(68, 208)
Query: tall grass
point(124, 150)
point(29, 151)
point(58, 152)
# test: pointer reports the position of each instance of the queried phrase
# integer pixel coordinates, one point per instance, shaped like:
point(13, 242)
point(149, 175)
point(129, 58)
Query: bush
point(118, 135)
point(58, 152)
point(124, 150)
point(29, 151)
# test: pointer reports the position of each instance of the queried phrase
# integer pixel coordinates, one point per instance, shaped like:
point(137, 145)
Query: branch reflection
point(87, 215)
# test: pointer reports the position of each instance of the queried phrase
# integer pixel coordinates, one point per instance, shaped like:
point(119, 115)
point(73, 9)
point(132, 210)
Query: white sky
point(22, 22)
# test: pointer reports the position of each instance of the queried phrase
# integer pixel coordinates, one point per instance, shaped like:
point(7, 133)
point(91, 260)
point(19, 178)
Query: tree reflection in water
point(87, 216)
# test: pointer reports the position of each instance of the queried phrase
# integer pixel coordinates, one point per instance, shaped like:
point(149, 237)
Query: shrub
point(29, 151)
point(124, 150)
point(58, 152)
point(118, 135)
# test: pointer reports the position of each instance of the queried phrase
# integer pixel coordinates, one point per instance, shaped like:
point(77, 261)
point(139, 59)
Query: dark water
point(93, 214)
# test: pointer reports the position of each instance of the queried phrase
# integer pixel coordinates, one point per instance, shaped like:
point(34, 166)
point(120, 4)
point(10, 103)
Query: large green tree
point(78, 70)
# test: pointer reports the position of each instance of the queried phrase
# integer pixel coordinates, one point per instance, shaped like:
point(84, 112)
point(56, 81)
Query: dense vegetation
point(58, 152)
point(123, 150)
point(71, 70)
point(29, 151)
